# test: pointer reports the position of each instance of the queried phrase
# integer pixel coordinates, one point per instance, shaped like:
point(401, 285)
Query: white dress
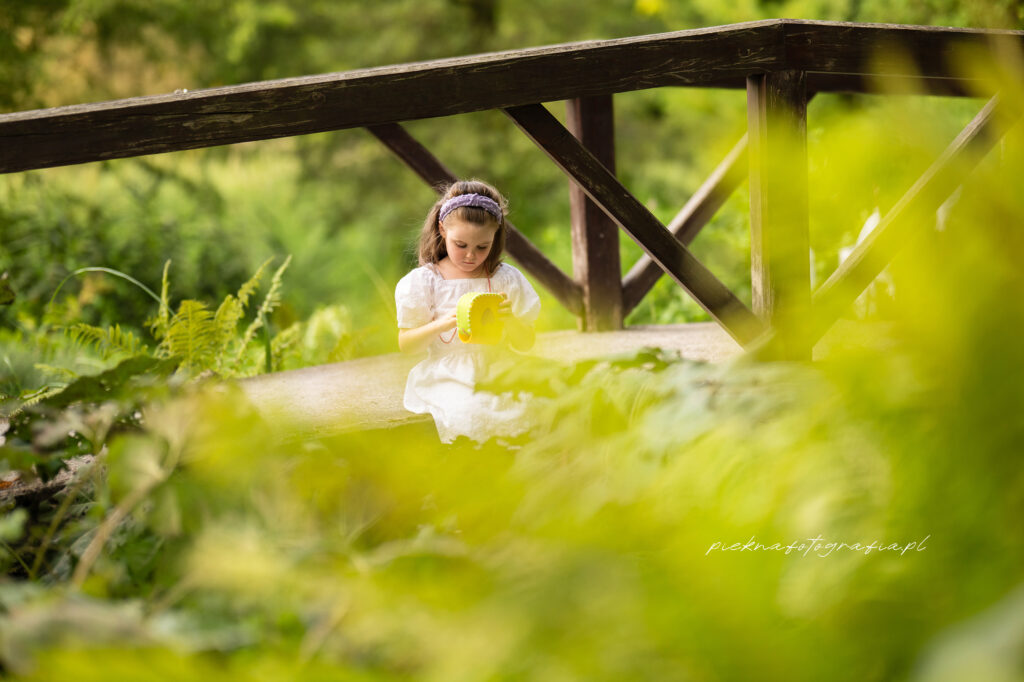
point(443, 384)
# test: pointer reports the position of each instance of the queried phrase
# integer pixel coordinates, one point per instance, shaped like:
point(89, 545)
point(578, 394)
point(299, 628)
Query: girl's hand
point(417, 340)
point(505, 308)
point(448, 322)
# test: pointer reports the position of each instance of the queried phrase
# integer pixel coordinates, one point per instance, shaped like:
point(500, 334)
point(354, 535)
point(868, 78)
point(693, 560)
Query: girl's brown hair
point(432, 248)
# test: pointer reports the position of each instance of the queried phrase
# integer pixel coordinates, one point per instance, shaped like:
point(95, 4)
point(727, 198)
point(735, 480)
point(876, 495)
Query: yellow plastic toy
point(478, 319)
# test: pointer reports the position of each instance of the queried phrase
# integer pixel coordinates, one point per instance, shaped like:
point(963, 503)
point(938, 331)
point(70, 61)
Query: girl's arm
point(417, 339)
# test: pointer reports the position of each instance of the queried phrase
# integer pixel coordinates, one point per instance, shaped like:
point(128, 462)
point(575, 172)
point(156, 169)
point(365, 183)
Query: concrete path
point(367, 393)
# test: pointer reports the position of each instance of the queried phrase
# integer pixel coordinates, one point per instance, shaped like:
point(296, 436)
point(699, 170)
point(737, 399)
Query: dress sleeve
point(414, 299)
point(525, 301)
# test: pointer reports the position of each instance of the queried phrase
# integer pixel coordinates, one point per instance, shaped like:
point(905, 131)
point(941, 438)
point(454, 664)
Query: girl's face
point(467, 243)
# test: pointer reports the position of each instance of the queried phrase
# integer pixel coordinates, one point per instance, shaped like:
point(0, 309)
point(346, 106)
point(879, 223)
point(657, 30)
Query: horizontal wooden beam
point(721, 56)
point(633, 217)
point(886, 50)
point(297, 106)
point(690, 220)
point(434, 173)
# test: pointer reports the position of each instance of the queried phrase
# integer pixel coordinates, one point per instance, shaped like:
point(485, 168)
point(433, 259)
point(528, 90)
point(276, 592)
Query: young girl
point(460, 251)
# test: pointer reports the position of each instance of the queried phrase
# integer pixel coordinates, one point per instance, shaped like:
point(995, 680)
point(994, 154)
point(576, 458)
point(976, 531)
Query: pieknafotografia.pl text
point(818, 546)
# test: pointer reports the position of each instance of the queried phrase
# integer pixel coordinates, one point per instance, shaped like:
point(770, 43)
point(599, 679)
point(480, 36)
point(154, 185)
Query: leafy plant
point(109, 341)
point(195, 337)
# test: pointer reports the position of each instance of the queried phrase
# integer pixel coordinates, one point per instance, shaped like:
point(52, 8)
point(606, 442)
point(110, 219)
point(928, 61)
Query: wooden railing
point(780, 64)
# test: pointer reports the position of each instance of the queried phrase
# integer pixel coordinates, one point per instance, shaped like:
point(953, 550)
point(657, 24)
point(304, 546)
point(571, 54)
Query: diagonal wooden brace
point(639, 223)
point(435, 174)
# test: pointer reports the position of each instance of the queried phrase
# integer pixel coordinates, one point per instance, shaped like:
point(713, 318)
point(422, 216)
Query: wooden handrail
point(835, 56)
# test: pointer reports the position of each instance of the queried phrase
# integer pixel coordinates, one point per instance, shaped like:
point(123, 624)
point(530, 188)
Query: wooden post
point(779, 240)
point(595, 236)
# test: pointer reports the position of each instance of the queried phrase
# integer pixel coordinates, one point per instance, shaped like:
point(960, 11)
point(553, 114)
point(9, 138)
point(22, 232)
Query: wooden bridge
point(779, 63)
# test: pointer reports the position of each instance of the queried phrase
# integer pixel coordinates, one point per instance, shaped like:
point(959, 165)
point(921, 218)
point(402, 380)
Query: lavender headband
point(475, 200)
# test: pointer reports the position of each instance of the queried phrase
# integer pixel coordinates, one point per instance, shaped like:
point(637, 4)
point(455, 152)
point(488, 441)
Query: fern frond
point(158, 325)
point(36, 397)
point(85, 334)
point(286, 344)
point(273, 297)
point(286, 339)
point(270, 301)
point(226, 318)
point(56, 371)
point(250, 332)
point(124, 341)
point(247, 289)
point(192, 336)
point(107, 341)
point(232, 310)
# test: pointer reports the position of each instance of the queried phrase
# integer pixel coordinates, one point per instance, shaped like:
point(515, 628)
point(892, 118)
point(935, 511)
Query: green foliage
point(232, 310)
point(196, 338)
point(588, 548)
point(192, 337)
point(7, 294)
point(110, 341)
point(271, 301)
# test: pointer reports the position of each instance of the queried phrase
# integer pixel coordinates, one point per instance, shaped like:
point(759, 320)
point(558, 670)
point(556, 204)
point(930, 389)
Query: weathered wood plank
point(690, 220)
point(595, 237)
point(711, 57)
point(296, 106)
point(779, 223)
point(633, 217)
point(886, 49)
point(436, 174)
